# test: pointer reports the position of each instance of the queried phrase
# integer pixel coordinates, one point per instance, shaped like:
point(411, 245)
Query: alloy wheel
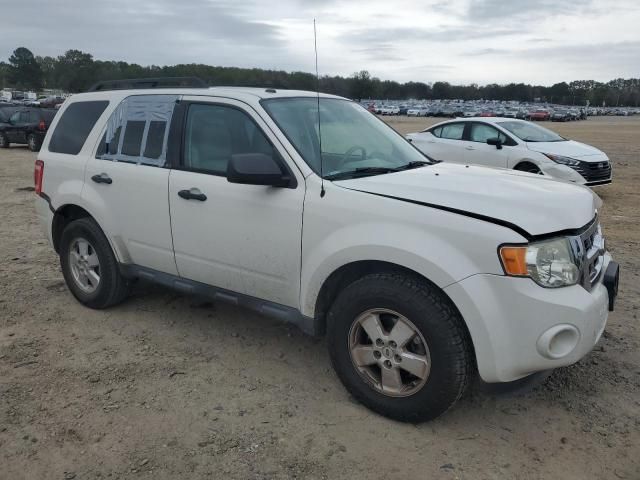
point(389, 352)
point(85, 265)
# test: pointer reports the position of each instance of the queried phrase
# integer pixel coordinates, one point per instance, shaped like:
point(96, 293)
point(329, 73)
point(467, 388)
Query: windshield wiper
point(363, 171)
point(414, 164)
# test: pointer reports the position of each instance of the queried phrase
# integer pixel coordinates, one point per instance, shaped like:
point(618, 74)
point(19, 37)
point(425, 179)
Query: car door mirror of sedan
point(257, 169)
point(495, 141)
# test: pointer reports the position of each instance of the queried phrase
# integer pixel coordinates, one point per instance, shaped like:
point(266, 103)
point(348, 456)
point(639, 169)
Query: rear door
point(447, 143)
point(126, 181)
point(477, 151)
point(243, 238)
point(17, 124)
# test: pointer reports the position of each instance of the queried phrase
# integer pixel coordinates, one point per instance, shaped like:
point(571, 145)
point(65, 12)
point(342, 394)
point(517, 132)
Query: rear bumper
point(45, 217)
point(519, 328)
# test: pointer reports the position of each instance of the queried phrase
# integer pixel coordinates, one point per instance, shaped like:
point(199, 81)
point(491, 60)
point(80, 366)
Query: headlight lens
point(571, 162)
point(549, 263)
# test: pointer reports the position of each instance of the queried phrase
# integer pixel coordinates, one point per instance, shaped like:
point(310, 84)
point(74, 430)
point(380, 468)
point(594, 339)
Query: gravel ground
point(168, 386)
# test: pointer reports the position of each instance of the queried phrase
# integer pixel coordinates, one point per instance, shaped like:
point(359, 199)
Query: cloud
point(501, 9)
point(470, 41)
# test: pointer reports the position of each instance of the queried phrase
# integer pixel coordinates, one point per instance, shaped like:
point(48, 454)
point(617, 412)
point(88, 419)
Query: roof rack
point(145, 83)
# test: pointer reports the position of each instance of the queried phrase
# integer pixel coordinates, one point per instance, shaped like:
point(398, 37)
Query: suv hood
point(570, 148)
point(533, 203)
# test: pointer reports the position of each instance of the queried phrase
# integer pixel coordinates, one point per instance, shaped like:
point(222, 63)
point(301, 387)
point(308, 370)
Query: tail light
point(42, 126)
point(38, 174)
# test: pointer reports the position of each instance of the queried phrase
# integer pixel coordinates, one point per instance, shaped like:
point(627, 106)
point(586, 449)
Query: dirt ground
point(170, 387)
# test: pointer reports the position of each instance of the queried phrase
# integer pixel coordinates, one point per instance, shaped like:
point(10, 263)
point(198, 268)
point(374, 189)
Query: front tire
point(89, 266)
point(399, 346)
point(4, 141)
point(529, 168)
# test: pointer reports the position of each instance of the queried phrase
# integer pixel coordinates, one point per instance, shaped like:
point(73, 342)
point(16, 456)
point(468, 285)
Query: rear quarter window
point(74, 126)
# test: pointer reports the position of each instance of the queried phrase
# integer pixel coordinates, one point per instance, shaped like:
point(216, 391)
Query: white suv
point(420, 274)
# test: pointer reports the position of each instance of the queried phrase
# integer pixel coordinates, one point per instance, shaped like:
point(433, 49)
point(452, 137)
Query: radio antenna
point(315, 45)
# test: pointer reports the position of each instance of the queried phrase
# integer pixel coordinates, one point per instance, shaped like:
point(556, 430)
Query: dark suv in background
point(26, 125)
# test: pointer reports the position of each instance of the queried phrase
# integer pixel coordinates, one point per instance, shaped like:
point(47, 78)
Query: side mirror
point(257, 169)
point(495, 141)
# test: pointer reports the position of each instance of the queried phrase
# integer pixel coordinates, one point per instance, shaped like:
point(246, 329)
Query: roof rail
point(144, 83)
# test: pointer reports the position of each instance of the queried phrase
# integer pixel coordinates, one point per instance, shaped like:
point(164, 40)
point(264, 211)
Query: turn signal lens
point(514, 260)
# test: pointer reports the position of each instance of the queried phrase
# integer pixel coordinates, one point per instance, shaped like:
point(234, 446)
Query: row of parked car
point(28, 99)
point(523, 112)
point(24, 125)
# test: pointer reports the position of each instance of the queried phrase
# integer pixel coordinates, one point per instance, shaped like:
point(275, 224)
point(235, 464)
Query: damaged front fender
point(562, 172)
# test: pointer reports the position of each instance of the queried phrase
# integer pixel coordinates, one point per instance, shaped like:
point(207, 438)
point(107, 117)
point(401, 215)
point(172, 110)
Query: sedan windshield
point(529, 132)
point(354, 142)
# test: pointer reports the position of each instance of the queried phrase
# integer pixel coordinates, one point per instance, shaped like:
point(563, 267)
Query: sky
point(459, 41)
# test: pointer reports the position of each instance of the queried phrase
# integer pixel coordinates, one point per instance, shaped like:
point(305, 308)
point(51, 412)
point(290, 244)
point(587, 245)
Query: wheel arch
point(69, 212)
point(62, 217)
point(350, 272)
point(523, 163)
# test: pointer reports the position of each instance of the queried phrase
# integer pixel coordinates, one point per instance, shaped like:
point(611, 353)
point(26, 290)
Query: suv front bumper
point(519, 328)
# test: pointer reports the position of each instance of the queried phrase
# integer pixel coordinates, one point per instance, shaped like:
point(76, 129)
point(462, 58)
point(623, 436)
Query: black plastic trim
point(148, 83)
point(265, 307)
point(174, 140)
point(611, 281)
point(47, 198)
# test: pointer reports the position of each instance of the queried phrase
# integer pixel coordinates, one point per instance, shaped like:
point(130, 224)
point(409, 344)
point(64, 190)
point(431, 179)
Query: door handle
point(192, 194)
point(102, 178)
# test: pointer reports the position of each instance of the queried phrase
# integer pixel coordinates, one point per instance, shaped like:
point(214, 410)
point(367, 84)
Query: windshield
point(529, 132)
point(354, 142)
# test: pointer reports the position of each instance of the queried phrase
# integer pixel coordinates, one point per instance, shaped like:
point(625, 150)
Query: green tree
point(75, 71)
point(24, 71)
point(48, 67)
point(5, 70)
point(361, 85)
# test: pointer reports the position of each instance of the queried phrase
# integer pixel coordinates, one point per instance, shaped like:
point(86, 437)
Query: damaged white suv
point(313, 211)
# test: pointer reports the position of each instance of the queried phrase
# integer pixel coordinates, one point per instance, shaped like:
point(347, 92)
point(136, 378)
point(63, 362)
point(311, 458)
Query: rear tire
point(4, 141)
point(33, 143)
point(89, 266)
point(433, 355)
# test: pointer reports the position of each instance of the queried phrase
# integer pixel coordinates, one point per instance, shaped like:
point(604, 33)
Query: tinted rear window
point(75, 125)
point(133, 138)
point(155, 139)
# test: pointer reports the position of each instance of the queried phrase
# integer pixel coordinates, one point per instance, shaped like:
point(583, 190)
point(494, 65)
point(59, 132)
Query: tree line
point(76, 71)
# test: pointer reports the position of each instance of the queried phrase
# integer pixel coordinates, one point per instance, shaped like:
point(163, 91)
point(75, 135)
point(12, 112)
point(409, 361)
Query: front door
point(477, 151)
point(243, 238)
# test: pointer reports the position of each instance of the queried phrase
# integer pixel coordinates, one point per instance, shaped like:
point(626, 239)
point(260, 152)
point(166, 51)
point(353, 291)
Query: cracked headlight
point(549, 263)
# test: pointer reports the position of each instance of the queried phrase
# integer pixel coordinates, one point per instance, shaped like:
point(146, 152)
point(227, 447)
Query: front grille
point(589, 248)
point(594, 171)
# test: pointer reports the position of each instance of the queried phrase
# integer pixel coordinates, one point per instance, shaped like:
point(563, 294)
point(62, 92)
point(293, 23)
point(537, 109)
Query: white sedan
point(390, 110)
point(517, 144)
